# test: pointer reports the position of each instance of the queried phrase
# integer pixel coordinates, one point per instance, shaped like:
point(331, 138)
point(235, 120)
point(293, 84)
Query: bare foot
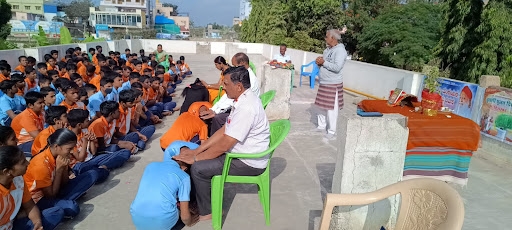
point(176, 109)
point(207, 217)
point(167, 113)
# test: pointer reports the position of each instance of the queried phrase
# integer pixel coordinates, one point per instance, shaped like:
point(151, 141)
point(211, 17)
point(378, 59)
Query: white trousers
point(332, 118)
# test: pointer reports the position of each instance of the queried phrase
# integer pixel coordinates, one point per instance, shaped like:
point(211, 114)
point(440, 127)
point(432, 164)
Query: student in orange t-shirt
point(48, 178)
point(102, 61)
point(30, 78)
point(184, 68)
point(145, 65)
point(30, 122)
point(137, 66)
point(70, 92)
point(126, 130)
point(51, 64)
point(70, 69)
point(83, 70)
point(187, 127)
point(56, 118)
point(5, 72)
point(15, 197)
point(23, 63)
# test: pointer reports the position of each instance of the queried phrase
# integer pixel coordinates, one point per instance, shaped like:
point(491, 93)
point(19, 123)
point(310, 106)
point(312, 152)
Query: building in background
point(113, 17)
point(123, 5)
point(26, 9)
point(245, 9)
point(168, 12)
point(237, 21)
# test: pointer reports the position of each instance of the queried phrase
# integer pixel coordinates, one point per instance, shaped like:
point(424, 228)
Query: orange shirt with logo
point(194, 107)
point(40, 173)
point(3, 78)
point(20, 68)
point(30, 84)
point(152, 94)
point(82, 71)
point(96, 81)
point(77, 105)
point(26, 122)
point(185, 127)
point(10, 199)
point(101, 128)
point(42, 140)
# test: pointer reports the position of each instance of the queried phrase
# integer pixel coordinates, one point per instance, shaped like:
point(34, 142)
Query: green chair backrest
point(278, 131)
point(252, 66)
point(267, 97)
point(218, 96)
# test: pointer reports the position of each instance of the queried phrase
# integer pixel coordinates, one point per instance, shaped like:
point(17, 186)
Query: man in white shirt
point(282, 57)
point(220, 111)
point(246, 131)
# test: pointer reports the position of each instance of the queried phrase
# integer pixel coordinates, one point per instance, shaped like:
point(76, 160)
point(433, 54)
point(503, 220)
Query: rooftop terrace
point(302, 169)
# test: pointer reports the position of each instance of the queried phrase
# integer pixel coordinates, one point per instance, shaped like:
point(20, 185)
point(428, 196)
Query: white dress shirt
point(225, 103)
point(282, 58)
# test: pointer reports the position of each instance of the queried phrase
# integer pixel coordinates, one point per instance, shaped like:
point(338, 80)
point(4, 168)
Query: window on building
point(27, 7)
point(38, 8)
point(139, 19)
point(15, 7)
point(137, 0)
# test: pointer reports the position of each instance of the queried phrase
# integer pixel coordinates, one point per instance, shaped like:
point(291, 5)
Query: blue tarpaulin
point(160, 19)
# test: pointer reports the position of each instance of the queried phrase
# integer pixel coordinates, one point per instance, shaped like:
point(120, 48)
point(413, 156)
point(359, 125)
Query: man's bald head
point(240, 59)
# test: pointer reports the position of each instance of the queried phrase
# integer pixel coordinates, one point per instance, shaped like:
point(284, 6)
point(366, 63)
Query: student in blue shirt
point(9, 104)
point(116, 86)
point(134, 77)
point(162, 186)
point(59, 97)
point(54, 75)
point(49, 96)
point(43, 81)
point(96, 99)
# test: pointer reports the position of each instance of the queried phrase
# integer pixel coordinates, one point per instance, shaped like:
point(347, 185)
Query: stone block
point(489, 80)
point(278, 80)
point(371, 155)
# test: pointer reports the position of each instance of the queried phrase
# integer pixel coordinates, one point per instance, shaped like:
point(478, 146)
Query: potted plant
point(503, 123)
point(431, 100)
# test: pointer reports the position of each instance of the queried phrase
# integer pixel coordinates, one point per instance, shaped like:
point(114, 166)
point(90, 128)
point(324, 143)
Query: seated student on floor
point(187, 127)
point(104, 128)
point(8, 137)
point(20, 83)
point(48, 96)
point(56, 118)
point(162, 186)
point(30, 79)
point(134, 77)
point(43, 81)
point(96, 99)
point(59, 97)
point(11, 104)
point(86, 156)
point(30, 122)
point(116, 86)
point(15, 196)
point(70, 91)
point(144, 117)
point(164, 100)
point(54, 75)
point(184, 68)
point(125, 130)
point(91, 75)
point(42, 70)
point(77, 79)
point(48, 178)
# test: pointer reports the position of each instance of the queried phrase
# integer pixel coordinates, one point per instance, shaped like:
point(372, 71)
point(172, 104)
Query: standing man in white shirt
point(246, 131)
point(220, 111)
point(282, 57)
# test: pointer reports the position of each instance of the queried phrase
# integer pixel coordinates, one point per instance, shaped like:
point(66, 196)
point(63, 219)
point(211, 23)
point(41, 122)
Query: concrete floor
point(301, 168)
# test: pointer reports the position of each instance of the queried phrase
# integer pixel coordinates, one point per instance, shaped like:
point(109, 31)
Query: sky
point(203, 12)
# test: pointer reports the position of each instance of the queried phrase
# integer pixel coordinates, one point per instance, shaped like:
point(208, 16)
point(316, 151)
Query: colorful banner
point(459, 96)
point(24, 26)
point(496, 118)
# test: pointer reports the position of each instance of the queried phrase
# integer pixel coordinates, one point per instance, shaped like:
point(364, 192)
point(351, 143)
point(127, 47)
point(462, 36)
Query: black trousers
point(203, 171)
point(218, 121)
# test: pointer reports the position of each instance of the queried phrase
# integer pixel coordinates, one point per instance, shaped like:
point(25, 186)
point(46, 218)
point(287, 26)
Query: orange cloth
point(8, 204)
point(82, 71)
point(20, 68)
point(30, 84)
point(40, 173)
point(77, 105)
point(95, 59)
point(96, 81)
point(21, 92)
point(152, 94)
point(3, 78)
point(79, 65)
point(194, 107)
point(42, 140)
point(425, 131)
point(167, 79)
point(214, 93)
point(98, 70)
point(186, 126)
point(66, 75)
point(124, 116)
point(49, 67)
point(145, 66)
point(145, 95)
point(26, 122)
point(101, 128)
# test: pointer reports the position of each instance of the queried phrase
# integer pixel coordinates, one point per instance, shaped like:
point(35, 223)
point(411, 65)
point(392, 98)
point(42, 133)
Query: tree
point(174, 8)
point(5, 16)
point(78, 9)
point(459, 36)
point(402, 36)
point(216, 26)
point(41, 38)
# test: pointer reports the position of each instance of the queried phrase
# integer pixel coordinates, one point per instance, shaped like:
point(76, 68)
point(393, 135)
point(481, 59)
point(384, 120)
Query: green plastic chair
point(218, 96)
point(278, 132)
point(267, 97)
point(253, 67)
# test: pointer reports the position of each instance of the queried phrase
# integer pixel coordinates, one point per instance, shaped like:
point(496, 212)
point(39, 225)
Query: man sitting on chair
point(281, 57)
point(246, 131)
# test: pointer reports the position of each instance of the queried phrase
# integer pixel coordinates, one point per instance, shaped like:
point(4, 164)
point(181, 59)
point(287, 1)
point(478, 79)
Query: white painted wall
point(170, 46)
point(252, 48)
point(11, 56)
point(218, 48)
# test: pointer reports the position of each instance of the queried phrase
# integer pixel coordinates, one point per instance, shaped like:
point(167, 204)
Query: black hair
point(76, 116)
point(239, 74)
point(41, 65)
point(5, 66)
point(78, 48)
point(91, 69)
point(110, 53)
point(67, 85)
point(54, 113)
point(153, 79)
point(105, 69)
point(75, 76)
point(158, 73)
point(98, 47)
point(47, 57)
point(32, 97)
point(117, 53)
point(282, 44)
point(116, 68)
point(101, 58)
point(108, 107)
point(29, 69)
point(145, 59)
point(59, 82)
point(241, 58)
point(70, 51)
point(112, 62)
point(136, 62)
point(90, 87)
point(169, 56)
point(136, 92)
point(137, 85)
point(182, 58)
point(18, 77)
point(141, 51)
point(82, 92)
point(62, 65)
point(133, 54)
point(106, 80)
point(6, 132)
point(220, 60)
point(45, 90)
point(60, 137)
point(134, 75)
point(10, 156)
point(21, 57)
point(91, 49)
point(160, 67)
point(7, 85)
point(121, 62)
point(126, 50)
point(52, 72)
point(44, 79)
point(31, 59)
point(71, 67)
point(196, 82)
point(127, 96)
point(54, 52)
point(178, 62)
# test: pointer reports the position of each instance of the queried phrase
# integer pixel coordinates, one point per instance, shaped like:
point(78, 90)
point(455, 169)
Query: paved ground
point(302, 170)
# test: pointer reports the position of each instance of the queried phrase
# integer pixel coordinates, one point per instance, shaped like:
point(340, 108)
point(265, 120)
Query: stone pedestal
point(371, 154)
point(489, 80)
point(278, 80)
